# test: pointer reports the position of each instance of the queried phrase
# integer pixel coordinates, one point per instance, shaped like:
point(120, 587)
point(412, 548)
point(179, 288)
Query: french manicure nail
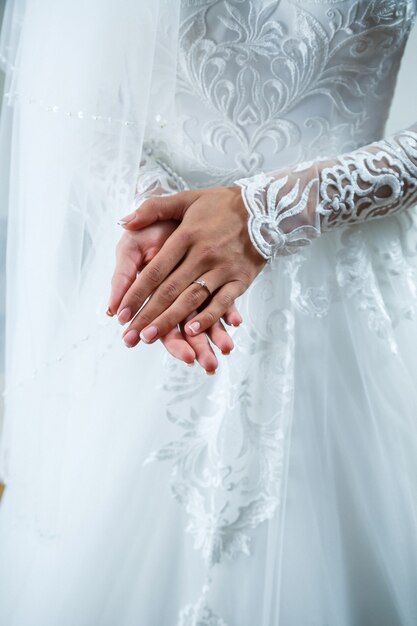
point(127, 219)
point(131, 338)
point(211, 373)
point(194, 327)
point(124, 315)
point(109, 313)
point(149, 333)
point(191, 364)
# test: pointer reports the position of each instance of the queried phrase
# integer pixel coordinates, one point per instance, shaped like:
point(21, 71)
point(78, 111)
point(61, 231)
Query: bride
point(261, 214)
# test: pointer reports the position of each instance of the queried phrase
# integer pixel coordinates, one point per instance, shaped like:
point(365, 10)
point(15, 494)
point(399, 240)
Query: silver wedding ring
point(203, 284)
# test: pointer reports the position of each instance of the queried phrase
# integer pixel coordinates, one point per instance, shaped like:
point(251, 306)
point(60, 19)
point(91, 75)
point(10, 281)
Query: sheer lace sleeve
point(155, 177)
point(291, 207)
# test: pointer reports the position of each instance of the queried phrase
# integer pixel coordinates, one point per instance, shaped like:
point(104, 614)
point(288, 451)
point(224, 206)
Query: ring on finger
point(203, 283)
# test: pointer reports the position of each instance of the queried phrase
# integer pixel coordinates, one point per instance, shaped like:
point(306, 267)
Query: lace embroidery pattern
point(220, 474)
point(253, 82)
point(200, 614)
point(287, 211)
point(228, 464)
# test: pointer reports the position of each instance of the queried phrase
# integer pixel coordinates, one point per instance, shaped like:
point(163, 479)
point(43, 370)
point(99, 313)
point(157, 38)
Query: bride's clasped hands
point(197, 235)
point(134, 250)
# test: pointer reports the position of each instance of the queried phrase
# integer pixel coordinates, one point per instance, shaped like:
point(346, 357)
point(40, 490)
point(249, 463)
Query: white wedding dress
point(282, 490)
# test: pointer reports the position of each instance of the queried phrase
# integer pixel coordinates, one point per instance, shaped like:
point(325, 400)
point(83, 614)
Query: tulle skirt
point(281, 491)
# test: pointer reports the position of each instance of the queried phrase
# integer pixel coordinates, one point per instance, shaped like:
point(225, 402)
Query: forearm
point(289, 208)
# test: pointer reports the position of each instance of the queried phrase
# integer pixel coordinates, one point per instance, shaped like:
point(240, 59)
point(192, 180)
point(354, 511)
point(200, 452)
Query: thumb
point(159, 209)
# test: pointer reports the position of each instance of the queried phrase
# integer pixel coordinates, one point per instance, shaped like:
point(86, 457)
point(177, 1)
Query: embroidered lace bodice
point(267, 85)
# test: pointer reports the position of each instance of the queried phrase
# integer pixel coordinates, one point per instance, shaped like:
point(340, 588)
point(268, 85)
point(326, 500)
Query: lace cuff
point(156, 178)
point(288, 209)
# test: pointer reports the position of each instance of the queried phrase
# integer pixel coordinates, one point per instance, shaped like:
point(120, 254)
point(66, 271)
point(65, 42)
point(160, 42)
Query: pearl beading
point(11, 97)
point(55, 108)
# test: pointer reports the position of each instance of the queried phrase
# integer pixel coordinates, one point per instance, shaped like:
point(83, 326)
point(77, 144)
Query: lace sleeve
point(155, 177)
point(289, 208)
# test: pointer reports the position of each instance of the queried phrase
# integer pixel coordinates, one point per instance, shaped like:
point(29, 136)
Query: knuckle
point(195, 233)
point(185, 237)
point(193, 297)
point(209, 252)
point(245, 276)
point(209, 318)
point(230, 267)
point(134, 300)
point(153, 274)
point(242, 285)
point(226, 300)
point(168, 292)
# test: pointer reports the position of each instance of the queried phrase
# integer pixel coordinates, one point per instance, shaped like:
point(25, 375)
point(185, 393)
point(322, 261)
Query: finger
point(171, 253)
point(220, 337)
point(152, 328)
point(123, 277)
point(217, 307)
point(164, 300)
point(232, 317)
point(187, 349)
point(158, 209)
point(179, 346)
point(204, 352)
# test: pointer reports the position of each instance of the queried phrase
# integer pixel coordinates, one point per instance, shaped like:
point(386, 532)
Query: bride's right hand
point(134, 250)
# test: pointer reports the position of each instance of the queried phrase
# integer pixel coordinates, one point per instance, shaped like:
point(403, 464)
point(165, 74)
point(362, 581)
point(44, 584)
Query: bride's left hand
point(211, 243)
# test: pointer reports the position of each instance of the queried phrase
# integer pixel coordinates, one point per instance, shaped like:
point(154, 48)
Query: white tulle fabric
point(282, 490)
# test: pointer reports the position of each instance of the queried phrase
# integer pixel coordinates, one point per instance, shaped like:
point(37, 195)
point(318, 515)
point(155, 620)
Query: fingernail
point(131, 338)
point(124, 315)
point(191, 364)
point(149, 333)
point(210, 373)
point(127, 219)
point(226, 352)
point(194, 327)
point(109, 313)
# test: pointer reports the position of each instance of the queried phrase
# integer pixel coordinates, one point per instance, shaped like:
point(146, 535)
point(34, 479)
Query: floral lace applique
point(228, 459)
